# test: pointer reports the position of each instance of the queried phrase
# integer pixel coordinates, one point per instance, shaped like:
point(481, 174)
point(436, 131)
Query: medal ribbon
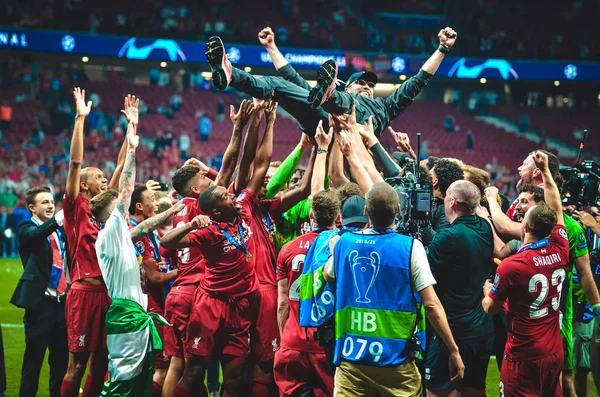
point(241, 246)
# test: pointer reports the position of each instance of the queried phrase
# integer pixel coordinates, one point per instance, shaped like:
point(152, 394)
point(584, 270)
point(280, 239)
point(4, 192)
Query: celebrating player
point(87, 301)
point(531, 281)
point(300, 362)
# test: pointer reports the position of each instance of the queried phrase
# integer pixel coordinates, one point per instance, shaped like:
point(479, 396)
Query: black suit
point(44, 316)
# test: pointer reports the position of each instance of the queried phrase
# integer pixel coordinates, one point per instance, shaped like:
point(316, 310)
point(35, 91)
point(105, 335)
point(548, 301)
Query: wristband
point(443, 49)
point(596, 310)
point(321, 150)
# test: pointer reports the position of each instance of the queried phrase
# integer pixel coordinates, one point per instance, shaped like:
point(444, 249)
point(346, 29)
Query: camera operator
point(443, 174)
point(461, 260)
point(376, 310)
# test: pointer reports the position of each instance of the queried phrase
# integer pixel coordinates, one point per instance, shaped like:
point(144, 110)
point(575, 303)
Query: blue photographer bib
point(376, 311)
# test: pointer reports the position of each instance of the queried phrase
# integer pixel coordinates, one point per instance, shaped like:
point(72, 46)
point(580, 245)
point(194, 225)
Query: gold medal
point(248, 257)
point(271, 237)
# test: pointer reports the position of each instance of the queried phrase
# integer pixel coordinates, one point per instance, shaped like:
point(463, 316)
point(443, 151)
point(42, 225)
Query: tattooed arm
point(127, 179)
point(156, 221)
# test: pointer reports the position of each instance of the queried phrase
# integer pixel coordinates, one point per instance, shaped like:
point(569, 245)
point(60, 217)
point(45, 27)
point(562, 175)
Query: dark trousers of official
point(45, 328)
point(290, 95)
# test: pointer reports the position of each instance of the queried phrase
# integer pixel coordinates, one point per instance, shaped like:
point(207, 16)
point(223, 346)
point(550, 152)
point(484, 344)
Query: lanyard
point(538, 244)
point(233, 241)
point(268, 221)
point(383, 231)
point(60, 244)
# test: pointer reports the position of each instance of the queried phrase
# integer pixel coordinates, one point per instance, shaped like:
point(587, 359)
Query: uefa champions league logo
point(570, 71)
point(68, 43)
point(364, 270)
point(398, 64)
point(234, 55)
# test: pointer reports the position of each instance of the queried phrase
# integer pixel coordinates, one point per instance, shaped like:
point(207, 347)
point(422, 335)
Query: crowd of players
point(226, 262)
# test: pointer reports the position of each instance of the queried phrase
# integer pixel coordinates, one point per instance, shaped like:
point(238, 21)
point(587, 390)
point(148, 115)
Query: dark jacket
point(36, 256)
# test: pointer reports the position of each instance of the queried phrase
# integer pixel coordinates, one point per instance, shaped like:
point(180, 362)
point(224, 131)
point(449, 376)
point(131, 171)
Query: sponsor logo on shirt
point(227, 246)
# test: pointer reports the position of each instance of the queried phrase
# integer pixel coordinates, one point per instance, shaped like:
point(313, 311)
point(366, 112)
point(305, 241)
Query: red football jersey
point(155, 292)
point(531, 282)
point(190, 262)
point(227, 270)
point(263, 228)
point(82, 232)
point(289, 265)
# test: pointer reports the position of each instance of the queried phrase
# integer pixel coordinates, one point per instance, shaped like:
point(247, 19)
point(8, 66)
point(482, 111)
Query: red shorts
point(161, 360)
point(264, 334)
point(219, 327)
point(533, 378)
point(294, 371)
point(85, 310)
point(177, 312)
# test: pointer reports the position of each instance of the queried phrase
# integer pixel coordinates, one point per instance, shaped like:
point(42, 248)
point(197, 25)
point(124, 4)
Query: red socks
point(156, 389)
point(69, 389)
point(93, 386)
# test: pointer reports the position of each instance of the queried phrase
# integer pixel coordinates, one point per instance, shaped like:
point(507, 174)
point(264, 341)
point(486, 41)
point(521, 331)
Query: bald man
point(461, 260)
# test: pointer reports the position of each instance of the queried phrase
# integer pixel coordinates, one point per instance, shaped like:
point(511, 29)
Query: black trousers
point(45, 328)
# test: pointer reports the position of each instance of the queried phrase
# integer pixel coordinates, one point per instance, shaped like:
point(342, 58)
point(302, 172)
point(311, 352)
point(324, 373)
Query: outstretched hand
point(403, 141)
point(447, 37)
point(243, 115)
point(266, 37)
point(130, 110)
point(323, 139)
point(82, 109)
point(347, 143)
point(271, 111)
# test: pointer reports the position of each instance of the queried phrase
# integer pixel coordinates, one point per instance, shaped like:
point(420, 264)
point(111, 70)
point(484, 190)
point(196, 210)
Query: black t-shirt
point(460, 257)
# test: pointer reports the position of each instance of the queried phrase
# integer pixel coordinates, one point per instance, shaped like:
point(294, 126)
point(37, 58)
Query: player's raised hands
point(243, 115)
point(323, 139)
point(305, 142)
point(491, 192)
point(271, 111)
point(153, 185)
point(200, 222)
point(80, 105)
point(266, 37)
point(133, 140)
point(347, 143)
point(585, 219)
point(403, 142)
point(130, 109)
point(447, 37)
point(541, 160)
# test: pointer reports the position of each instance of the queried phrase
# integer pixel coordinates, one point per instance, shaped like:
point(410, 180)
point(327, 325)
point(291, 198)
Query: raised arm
point(381, 156)
point(239, 120)
point(267, 39)
point(503, 223)
point(404, 96)
point(264, 153)
point(243, 172)
point(286, 170)
point(127, 179)
point(177, 238)
point(149, 225)
point(76, 152)
point(131, 113)
point(551, 193)
point(348, 147)
point(323, 143)
point(336, 164)
point(293, 197)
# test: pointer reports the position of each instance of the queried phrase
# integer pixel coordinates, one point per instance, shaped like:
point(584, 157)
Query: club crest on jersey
point(563, 234)
point(140, 246)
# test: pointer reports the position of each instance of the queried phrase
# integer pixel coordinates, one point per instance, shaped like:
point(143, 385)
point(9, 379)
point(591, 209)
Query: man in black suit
point(41, 291)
